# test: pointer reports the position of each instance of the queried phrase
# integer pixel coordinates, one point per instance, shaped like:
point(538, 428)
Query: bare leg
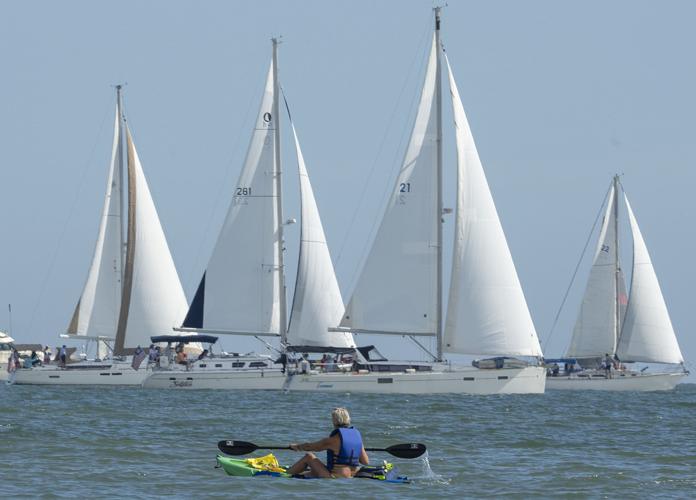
point(316, 467)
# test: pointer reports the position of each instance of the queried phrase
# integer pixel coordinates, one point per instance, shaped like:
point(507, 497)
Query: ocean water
point(60, 442)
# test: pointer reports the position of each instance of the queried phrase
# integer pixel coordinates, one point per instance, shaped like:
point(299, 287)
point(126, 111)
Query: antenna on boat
point(9, 309)
point(119, 98)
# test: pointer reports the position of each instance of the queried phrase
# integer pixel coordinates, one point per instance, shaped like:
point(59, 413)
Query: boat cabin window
point(238, 364)
point(257, 364)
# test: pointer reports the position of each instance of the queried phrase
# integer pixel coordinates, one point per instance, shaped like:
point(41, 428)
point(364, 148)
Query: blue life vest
point(351, 447)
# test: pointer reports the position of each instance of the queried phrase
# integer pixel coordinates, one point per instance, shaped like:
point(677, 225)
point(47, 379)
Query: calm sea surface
point(120, 442)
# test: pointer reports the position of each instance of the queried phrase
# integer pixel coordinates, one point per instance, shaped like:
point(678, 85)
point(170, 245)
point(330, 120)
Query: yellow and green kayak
point(268, 466)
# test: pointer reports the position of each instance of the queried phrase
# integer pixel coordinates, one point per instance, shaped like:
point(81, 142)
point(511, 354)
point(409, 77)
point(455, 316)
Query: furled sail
point(96, 313)
point(317, 303)
point(487, 312)
point(397, 289)
point(153, 299)
point(239, 291)
point(594, 334)
point(647, 334)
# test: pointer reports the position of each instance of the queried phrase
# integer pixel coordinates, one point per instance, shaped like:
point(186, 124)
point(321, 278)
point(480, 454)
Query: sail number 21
point(404, 187)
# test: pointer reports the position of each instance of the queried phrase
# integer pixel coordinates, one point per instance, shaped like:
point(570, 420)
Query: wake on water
point(427, 473)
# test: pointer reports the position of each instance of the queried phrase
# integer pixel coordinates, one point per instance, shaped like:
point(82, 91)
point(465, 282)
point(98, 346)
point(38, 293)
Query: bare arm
point(364, 459)
point(328, 443)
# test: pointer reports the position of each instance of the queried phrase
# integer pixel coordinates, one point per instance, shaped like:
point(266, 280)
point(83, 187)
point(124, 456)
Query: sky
point(559, 96)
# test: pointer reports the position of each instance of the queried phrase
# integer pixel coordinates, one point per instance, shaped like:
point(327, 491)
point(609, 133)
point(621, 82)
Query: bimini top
point(184, 339)
point(318, 349)
point(369, 352)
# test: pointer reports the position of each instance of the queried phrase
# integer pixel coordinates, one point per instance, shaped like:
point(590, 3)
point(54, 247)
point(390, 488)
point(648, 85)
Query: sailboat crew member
point(344, 451)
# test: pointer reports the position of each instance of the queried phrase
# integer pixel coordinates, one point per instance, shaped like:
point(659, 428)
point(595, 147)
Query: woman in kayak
point(344, 451)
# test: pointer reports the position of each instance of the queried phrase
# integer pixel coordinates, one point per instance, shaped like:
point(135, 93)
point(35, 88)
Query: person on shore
point(344, 451)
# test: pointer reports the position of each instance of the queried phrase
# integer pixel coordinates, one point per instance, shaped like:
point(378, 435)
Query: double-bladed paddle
point(406, 450)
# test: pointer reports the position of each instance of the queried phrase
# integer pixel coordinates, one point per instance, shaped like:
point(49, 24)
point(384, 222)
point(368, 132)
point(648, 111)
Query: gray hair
point(340, 417)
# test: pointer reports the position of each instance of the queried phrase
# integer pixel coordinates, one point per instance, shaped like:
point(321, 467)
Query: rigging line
point(577, 267)
point(395, 165)
point(191, 274)
point(373, 167)
point(268, 346)
point(71, 213)
point(299, 253)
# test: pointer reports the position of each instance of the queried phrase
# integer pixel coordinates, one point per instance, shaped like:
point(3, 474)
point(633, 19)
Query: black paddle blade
point(407, 450)
point(236, 447)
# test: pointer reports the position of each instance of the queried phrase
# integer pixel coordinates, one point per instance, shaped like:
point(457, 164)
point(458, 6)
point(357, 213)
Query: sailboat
point(400, 289)
point(242, 291)
point(614, 328)
point(132, 289)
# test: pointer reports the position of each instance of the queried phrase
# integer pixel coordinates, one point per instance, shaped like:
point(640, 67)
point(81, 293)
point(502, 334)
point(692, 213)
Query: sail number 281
point(244, 191)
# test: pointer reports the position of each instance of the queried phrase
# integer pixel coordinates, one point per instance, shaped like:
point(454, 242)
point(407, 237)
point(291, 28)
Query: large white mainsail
point(239, 291)
point(96, 313)
point(595, 330)
point(317, 303)
point(153, 299)
point(487, 312)
point(397, 289)
point(647, 333)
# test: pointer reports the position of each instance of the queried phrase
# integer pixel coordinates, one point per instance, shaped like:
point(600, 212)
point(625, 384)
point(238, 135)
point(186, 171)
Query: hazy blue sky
point(560, 95)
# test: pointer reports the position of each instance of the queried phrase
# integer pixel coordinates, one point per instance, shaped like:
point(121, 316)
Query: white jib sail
point(157, 300)
point(397, 289)
point(317, 303)
point(487, 312)
point(595, 329)
point(242, 280)
point(97, 311)
point(647, 334)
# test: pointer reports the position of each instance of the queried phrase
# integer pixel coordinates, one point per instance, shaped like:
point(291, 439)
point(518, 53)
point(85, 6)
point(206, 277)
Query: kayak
point(248, 468)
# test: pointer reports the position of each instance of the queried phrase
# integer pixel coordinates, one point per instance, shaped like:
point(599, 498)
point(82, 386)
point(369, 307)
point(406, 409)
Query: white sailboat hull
point(222, 379)
point(106, 374)
point(528, 380)
point(630, 381)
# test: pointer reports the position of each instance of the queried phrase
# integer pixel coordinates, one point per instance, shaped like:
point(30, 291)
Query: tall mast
point(438, 110)
point(279, 193)
point(120, 176)
point(617, 271)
